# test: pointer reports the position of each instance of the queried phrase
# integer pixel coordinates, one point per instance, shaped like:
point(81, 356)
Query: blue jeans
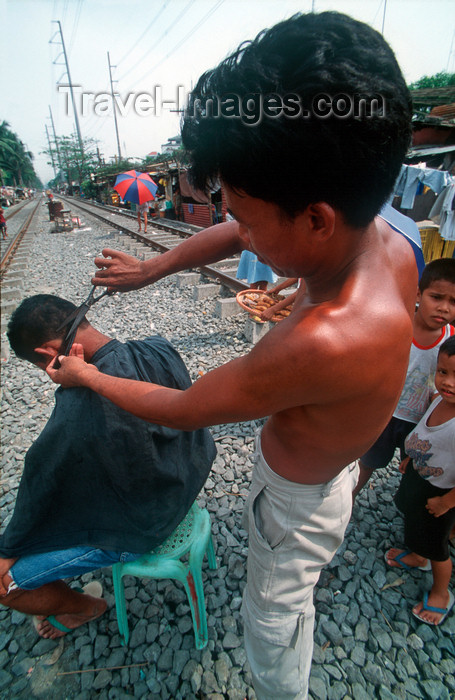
point(34, 570)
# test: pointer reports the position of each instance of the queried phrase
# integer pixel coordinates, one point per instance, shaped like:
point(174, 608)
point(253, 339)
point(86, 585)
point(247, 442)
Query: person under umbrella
point(139, 189)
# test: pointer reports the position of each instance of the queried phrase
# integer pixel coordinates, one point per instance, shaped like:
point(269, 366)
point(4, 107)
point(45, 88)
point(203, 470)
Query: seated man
point(99, 485)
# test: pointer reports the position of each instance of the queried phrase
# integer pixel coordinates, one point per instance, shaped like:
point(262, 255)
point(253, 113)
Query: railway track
point(18, 223)
point(163, 236)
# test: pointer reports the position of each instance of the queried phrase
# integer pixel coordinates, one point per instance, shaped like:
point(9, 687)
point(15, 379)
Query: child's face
point(437, 304)
point(445, 377)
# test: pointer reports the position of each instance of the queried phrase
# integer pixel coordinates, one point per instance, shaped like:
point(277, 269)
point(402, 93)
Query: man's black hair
point(351, 163)
point(36, 321)
point(448, 347)
point(440, 269)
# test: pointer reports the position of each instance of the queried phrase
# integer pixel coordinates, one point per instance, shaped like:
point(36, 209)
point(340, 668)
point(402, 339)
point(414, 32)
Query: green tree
point(441, 79)
point(74, 163)
point(16, 163)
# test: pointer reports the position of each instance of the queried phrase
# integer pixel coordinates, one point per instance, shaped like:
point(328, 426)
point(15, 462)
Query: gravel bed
point(367, 643)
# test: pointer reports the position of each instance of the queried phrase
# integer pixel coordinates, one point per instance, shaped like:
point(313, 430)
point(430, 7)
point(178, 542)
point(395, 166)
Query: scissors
point(77, 316)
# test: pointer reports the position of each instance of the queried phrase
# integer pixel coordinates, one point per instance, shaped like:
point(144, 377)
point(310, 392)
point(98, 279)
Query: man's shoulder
point(407, 229)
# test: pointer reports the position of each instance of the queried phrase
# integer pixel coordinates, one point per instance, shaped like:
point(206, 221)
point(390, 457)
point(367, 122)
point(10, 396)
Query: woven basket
point(249, 299)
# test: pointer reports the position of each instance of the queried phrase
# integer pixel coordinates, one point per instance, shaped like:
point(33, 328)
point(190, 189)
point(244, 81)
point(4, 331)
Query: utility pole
point(59, 160)
point(76, 118)
point(50, 152)
point(113, 105)
point(383, 17)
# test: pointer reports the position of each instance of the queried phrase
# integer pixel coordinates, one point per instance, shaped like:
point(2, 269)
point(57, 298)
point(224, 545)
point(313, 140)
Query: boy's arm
point(268, 314)
point(122, 273)
point(438, 505)
point(283, 285)
point(403, 465)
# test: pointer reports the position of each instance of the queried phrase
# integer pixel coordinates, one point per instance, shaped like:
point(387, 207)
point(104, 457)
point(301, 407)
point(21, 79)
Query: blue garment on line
point(411, 177)
point(254, 271)
point(443, 213)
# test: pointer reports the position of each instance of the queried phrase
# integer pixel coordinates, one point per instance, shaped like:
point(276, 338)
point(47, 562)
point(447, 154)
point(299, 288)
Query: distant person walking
point(256, 273)
point(3, 224)
point(142, 210)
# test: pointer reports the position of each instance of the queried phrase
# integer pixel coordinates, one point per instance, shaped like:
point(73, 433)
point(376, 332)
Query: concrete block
point(4, 349)
point(205, 291)
point(13, 281)
point(17, 267)
point(138, 250)
point(7, 307)
point(224, 308)
point(187, 278)
point(254, 331)
point(10, 293)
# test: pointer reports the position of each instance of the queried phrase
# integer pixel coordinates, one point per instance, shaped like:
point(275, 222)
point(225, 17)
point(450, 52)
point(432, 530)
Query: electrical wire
point(180, 43)
point(163, 7)
point(75, 25)
point(173, 24)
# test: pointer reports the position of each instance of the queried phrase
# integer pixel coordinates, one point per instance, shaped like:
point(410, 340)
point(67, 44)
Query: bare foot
point(435, 600)
point(412, 560)
point(95, 608)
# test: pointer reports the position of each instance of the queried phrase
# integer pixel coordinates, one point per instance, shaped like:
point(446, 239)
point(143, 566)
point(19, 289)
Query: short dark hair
point(349, 162)
point(448, 347)
point(35, 321)
point(440, 269)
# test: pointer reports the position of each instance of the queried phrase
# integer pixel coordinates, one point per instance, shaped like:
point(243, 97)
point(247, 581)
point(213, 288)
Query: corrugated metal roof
point(433, 96)
point(429, 151)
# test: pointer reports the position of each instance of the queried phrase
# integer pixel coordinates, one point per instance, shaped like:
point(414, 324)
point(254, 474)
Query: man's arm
point(279, 373)
point(122, 273)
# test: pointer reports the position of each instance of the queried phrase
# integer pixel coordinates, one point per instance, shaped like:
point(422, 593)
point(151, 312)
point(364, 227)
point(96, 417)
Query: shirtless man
point(306, 193)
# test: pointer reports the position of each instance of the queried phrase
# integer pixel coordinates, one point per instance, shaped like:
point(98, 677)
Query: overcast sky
point(157, 45)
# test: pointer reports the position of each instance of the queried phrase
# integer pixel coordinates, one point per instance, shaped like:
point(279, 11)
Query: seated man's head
point(282, 119)
point(34, 330)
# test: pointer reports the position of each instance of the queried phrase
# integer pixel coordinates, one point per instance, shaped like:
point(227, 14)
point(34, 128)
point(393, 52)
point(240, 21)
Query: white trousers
point(294, 530)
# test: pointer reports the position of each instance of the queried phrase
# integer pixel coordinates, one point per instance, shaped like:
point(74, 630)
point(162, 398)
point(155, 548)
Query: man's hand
point(119, 272)
point(73, 369)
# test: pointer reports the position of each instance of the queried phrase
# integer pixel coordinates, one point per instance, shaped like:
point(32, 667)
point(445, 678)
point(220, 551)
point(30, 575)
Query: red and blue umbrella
point(135, 187)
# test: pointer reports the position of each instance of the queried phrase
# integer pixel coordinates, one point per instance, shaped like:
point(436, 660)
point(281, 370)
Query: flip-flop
point(403, 565)
point(443, 611)
point(94, 588)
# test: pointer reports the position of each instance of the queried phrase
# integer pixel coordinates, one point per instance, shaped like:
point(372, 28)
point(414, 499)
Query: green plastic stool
point(193, 537)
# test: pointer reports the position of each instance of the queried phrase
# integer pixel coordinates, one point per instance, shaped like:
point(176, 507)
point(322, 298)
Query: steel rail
point(15, 242)
point(209, 271)
point(8, 214)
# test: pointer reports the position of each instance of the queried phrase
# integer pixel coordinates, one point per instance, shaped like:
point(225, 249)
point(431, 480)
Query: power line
point(180, 43)
point(160, 38)
point(75, 25)
point(163, 7)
